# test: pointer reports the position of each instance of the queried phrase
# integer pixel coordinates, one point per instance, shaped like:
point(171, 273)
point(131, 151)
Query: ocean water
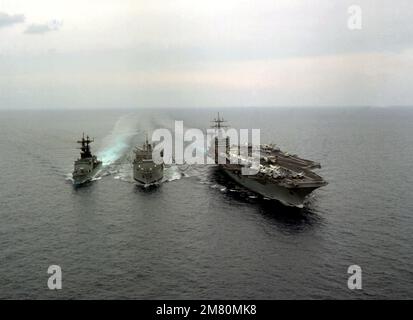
point(198, 235)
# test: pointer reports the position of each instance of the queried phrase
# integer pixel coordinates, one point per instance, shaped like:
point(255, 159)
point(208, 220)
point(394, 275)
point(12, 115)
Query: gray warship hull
point(147, 172)
point(87, 166)
point(81, 178)
point(275, 174)
point(293, 197)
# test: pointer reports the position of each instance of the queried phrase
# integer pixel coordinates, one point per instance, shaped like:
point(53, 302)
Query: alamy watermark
point(354, 282)
point(355, 19)
point(55, 280)
point(215, 146)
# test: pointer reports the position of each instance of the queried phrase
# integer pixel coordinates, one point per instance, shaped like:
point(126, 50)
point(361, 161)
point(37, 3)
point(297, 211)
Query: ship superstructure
point(145, 171)
point(87, 166)
point(275, 174)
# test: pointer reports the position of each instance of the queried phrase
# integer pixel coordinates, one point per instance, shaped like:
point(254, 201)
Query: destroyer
point(277, 175)
point(145, 171)
point(87, 166)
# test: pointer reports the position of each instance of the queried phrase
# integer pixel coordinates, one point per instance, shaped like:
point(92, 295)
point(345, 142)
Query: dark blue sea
point(198, 235)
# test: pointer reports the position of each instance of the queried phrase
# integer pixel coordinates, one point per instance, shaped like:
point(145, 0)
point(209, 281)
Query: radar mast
point(85, 147)
point(218, 123)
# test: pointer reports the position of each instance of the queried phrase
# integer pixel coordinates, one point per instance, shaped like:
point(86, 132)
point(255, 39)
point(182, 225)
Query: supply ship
point(145, 171)
point(87, 166)
point(275, 174)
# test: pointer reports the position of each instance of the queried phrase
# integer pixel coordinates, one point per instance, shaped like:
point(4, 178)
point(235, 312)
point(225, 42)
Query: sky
point(190, 53)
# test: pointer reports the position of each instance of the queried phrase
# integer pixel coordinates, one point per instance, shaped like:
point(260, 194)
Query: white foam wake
point(118, 142)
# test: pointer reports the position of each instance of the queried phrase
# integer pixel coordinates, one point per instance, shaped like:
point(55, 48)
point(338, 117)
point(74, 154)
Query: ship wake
point(118, 142)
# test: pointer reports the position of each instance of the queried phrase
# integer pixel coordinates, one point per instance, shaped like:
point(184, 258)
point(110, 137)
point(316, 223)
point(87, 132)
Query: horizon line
point(204, 107)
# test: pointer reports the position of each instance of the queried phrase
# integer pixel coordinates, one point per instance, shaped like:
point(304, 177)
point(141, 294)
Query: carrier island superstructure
point(275, 174)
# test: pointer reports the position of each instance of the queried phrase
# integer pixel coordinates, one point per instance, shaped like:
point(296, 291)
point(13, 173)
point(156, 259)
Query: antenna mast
point(218, 122)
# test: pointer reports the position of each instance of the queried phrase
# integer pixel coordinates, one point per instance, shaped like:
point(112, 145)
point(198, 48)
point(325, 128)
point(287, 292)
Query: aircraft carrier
point(276, 175)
